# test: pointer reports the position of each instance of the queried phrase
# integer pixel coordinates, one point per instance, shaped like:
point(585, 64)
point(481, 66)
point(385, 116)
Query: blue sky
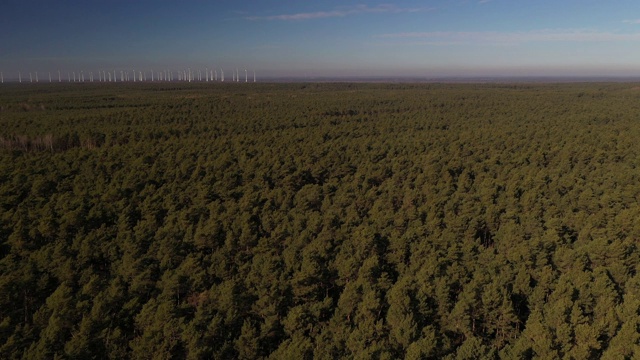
point(325, 38)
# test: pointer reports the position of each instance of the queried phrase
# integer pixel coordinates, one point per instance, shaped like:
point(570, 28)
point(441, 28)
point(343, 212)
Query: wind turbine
point(59, 78)
point(237, 75)
point(222, 75)
point(254, 76)
point(19, 77)
point(245, 76)
point(49, 76)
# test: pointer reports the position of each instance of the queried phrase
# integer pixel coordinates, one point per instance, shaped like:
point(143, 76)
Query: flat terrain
point(319, 221)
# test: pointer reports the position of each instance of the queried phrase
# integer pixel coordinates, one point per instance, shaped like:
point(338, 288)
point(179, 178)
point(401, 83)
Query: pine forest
point(320, 221)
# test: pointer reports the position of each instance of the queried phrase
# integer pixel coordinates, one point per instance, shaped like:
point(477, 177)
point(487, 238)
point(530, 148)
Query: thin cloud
point(339, 12)
point(494, 37)
point(636, 21)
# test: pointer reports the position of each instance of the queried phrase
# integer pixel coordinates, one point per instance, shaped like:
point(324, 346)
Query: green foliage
point(364, 221)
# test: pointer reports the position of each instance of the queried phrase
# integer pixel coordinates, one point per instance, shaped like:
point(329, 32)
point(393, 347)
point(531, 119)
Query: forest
point(319, 221)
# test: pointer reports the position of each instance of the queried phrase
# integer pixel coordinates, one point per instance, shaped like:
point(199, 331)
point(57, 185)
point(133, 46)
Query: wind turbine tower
point(254, 76)
point(19, 77)
point(59, 78)
point(245, 76)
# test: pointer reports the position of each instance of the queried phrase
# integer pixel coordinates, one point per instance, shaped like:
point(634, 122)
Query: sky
point(439, 38)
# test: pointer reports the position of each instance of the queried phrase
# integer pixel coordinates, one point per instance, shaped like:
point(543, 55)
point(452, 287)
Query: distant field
point(308, 220)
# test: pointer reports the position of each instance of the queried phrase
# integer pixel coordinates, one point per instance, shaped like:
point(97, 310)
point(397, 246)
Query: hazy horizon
point(480, 38)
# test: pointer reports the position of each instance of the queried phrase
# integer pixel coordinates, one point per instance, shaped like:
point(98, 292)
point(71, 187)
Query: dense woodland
point(299, 221)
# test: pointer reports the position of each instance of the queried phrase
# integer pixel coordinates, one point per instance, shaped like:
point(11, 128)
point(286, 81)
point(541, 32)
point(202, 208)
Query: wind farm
point(185, 74)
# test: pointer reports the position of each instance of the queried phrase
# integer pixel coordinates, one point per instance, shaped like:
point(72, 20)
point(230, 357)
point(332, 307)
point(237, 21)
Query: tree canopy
point(299, 221)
